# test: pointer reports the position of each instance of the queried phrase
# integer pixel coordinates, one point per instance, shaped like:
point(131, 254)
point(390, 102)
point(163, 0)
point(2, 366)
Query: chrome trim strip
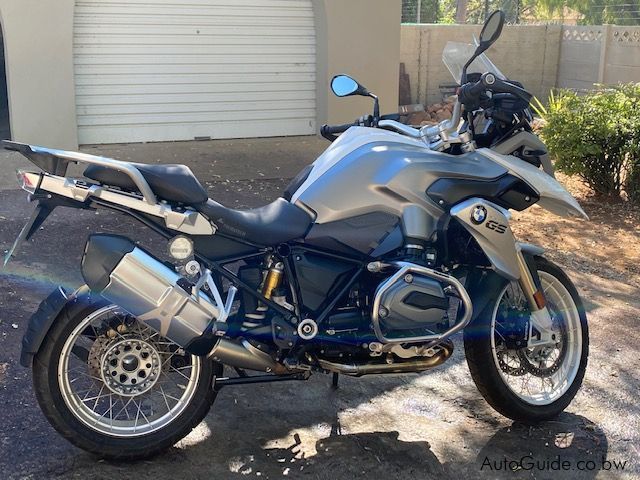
point(404, 268)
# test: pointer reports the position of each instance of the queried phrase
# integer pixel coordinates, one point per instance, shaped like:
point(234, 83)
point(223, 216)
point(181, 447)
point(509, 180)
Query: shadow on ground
point(572, 446)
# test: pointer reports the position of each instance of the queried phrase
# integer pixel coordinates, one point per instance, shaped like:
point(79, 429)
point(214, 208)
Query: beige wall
point(526, 53)
point(360, 38)
point(38, 53)
point(357, 37)
point(599, 54)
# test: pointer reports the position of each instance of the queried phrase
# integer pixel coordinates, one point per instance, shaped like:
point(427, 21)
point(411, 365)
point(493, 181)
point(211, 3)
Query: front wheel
point(114, 387)
point(529, 384)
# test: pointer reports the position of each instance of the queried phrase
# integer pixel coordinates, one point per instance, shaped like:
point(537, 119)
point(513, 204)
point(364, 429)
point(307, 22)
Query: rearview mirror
point(490, 33)
point(344, 86)
point(492, 29)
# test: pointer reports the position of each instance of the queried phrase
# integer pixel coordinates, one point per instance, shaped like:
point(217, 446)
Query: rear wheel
point(523, 383)
point(113, 387)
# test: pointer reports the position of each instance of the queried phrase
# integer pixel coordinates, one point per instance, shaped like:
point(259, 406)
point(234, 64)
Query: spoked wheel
point(520, 381)
point(116, 388)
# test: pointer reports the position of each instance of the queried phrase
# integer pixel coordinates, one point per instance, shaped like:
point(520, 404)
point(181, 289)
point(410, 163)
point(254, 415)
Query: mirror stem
point(376, 109)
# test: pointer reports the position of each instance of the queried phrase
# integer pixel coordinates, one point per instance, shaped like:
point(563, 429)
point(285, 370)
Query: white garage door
point(154, 70)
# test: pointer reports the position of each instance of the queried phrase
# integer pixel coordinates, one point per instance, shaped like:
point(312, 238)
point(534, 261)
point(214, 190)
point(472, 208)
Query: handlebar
point(330, 131)
point(407, 130)
point(470, 95)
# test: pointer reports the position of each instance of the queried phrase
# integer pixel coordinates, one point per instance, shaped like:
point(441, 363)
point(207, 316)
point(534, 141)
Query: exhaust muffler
point(131, 278)
point(128, 276)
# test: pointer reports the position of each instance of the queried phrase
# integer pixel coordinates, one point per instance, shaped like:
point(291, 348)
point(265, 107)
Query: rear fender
point(45, 204)
point(41, 321)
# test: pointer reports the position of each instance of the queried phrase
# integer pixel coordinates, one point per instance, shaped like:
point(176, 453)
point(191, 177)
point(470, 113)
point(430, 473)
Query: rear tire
point(50, 392)
point(492, 379)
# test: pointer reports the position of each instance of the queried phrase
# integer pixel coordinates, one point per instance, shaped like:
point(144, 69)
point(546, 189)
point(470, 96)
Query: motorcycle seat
point(174, 183)
point(270, 225)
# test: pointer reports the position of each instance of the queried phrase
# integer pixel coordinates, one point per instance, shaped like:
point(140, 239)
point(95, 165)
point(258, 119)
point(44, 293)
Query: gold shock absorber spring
point(273, 279)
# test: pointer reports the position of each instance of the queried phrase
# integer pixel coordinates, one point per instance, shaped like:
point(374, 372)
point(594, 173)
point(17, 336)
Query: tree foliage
point(599, 12)
point(597, 136)
point(588, 12)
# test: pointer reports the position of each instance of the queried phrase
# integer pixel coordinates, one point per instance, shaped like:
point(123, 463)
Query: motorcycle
point(395, 239)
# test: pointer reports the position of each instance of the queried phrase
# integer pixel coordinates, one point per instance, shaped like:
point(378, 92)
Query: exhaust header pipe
point(410, 366)
point(242, 354)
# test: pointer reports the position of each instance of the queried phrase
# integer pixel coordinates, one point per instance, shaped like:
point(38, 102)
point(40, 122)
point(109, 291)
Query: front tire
point(525, 384)
point(101, 379)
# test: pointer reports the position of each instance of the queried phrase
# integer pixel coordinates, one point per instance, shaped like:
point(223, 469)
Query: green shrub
point(597, 136)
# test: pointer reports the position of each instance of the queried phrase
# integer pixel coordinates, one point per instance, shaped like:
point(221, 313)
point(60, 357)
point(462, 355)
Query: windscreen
point(455, 55)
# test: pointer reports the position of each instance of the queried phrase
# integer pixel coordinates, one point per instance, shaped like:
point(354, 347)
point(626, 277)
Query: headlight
point(180, 248)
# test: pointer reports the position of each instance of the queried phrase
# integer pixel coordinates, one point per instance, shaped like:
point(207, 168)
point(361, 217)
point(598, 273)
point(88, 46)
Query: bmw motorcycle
point(391, 242)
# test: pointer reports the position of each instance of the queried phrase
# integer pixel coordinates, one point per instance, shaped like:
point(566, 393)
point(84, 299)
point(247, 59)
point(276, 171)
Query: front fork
point(532, 288)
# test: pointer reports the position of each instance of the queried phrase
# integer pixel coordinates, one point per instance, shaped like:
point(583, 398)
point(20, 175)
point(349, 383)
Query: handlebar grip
point(476, 89)
point(333, 129)
point(390, 116)
point(470, 93)
point(497, 85)
point(507, 87)
point(329, 131)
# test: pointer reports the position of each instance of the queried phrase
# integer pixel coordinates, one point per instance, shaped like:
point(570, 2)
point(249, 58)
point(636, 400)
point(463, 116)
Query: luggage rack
point(56, 162)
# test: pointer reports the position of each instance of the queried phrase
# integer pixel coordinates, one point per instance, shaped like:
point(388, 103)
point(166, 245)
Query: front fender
point(484, 285)
point(41, 321)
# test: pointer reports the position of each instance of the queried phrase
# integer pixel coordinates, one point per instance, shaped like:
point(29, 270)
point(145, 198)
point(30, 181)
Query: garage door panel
point(240, 41)
point(191, 59)
point(207, 82)
point(160, 132)
point(165, 52)
point(238, 70)
point(183, 102)
point(168, 20)
point(193, 92)
point(169, 70)
point(219, 116)
point(223, 32)
point(204, 3)
point(211, 9)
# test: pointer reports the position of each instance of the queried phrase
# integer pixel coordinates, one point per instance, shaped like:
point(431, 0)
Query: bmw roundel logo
point(479, 214)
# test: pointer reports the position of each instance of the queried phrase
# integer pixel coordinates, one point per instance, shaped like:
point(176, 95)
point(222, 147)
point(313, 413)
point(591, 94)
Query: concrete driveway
point(432, 425)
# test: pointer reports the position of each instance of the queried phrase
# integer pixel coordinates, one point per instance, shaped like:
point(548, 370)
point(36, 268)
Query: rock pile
point(433, 114)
